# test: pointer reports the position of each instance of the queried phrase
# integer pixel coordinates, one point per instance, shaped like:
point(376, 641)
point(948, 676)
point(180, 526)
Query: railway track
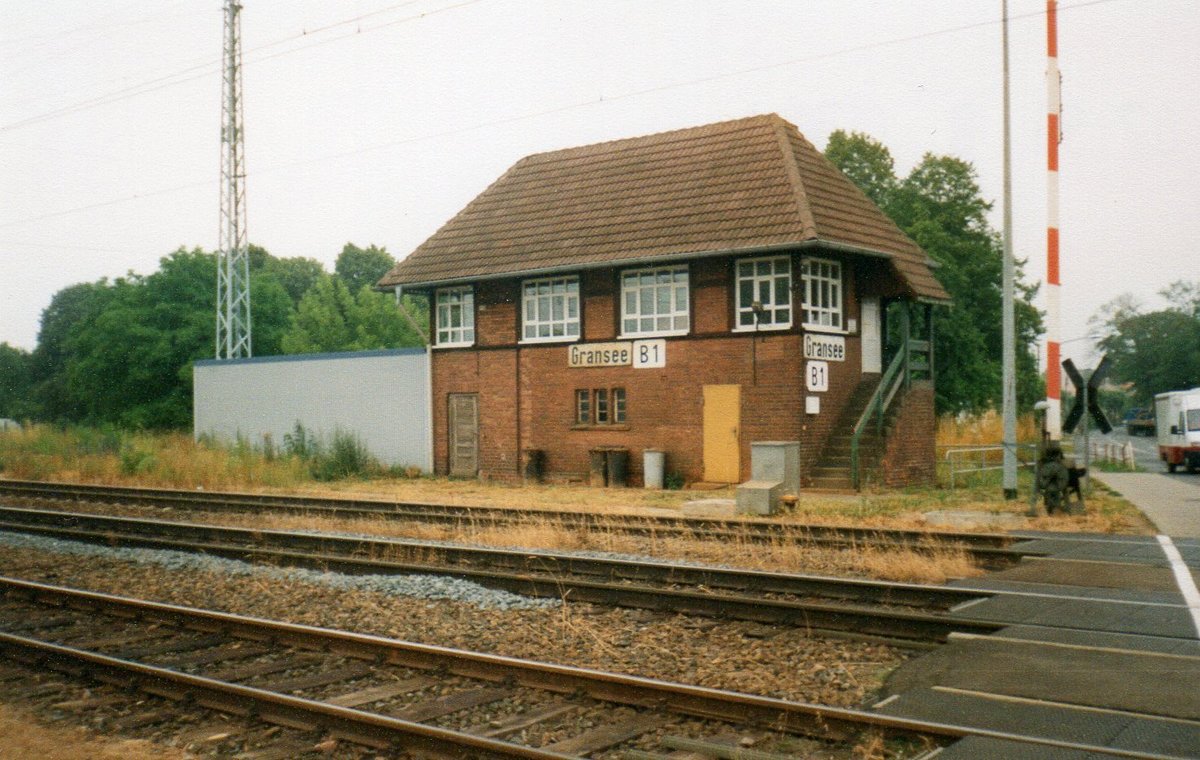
point(990, 550)
point(905, 614)
point(398, 696)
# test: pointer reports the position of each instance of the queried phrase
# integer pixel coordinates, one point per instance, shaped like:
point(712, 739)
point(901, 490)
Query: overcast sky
point(380, 129)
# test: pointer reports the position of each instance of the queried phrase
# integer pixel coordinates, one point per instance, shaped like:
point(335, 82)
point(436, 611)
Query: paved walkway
point(1172, 502)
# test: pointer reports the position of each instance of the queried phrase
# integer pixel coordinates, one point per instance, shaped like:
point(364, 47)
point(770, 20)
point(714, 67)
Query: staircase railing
point(911, 362)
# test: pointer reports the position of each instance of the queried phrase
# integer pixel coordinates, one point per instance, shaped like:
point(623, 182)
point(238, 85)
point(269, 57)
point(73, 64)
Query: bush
point(673, 481)
point(347, 458)
point(136, 460)
point(301, 443)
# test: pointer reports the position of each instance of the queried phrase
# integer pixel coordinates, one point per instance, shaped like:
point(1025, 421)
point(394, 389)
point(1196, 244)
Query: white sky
point(379, 130)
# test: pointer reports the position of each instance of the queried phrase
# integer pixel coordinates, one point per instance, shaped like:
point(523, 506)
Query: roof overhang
point(802, 245)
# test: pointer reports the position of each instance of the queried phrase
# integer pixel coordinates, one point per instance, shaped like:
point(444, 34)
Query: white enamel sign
point(816, 376)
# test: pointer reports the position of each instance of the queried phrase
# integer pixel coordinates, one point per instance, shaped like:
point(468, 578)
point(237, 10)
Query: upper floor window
point(764, 293)
point(455, 317)
point(822, 293)
point(550, 306)
point(654, 301)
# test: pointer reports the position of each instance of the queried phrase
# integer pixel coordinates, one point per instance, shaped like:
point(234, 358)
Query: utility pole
point(1009, 354)
point(233, 256)
point(1053, 138)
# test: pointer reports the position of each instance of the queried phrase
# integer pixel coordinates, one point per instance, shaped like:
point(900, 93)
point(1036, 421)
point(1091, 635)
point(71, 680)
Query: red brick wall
point(527, 392)
point(911, 455)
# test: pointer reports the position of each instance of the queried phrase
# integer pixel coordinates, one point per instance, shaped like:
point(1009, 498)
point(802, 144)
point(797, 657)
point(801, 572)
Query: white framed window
point(768, 283)
point(455, 317)
point(655, 301)
point(550, 309)
point(822, 293)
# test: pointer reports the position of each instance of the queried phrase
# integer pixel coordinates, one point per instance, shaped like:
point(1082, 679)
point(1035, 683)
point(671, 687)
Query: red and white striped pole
point(1053, 137)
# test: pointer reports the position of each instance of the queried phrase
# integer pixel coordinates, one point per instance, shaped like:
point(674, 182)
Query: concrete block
point(759, 497)
point(776, 461)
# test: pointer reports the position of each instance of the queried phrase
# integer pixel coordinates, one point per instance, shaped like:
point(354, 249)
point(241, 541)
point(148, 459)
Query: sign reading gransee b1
point(642, 354)
point(830, 348)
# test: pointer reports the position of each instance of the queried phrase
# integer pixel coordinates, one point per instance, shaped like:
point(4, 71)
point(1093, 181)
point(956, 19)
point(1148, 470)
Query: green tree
point(329, 318)
point(296, 275)
point(16, 382)
point(939, 205)
point(121, 352)
point(69, 311)
point(867, 162)
point(1156, 351)
point(358, 267)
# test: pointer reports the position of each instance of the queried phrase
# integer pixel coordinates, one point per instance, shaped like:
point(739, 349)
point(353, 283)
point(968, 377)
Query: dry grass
point(983, 430)
point(21, 736)
point(932, 564)
point(175, 460)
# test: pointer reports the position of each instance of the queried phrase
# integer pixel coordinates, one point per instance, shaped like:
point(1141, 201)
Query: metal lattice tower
point(233, 257)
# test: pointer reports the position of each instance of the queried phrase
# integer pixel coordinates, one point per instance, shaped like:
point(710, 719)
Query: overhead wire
point(211, 66)
point(565, 107)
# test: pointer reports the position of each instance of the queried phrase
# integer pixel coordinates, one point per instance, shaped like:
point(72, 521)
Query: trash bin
point(534, 465)
point(653, 466)
point(598, 467)
point(618, 467)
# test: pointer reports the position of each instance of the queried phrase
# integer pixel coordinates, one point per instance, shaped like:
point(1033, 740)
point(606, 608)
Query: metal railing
point(913, 361)
point(968, 460)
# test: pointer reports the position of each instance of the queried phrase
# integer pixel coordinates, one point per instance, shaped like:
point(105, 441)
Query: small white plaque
point(812, 404)
point(816, 376)
point(649, 354)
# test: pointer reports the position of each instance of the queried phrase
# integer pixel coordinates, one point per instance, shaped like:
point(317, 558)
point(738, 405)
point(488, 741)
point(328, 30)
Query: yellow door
point(722, 417)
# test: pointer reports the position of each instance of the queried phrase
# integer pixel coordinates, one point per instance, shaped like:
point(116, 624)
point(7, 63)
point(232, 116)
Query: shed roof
point(746, 185)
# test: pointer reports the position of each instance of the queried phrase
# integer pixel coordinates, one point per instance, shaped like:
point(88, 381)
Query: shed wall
point(380, 396)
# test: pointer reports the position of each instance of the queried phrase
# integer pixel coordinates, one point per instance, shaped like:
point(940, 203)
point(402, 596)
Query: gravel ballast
point(774, 661)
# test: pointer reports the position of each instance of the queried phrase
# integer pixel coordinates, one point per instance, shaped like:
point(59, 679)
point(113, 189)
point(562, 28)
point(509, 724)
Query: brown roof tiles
point(743, 185)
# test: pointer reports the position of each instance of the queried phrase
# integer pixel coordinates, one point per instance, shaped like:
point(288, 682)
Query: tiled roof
point(743, 185)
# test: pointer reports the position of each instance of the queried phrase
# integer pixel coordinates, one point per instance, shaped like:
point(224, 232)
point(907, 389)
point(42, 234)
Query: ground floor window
point(600, 406)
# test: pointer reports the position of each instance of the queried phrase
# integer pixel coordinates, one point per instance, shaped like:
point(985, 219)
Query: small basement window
point(822, 293)
point(550, 309)
point(455, 317)
point(768, 283)
point(600, 406)
point(655, 301)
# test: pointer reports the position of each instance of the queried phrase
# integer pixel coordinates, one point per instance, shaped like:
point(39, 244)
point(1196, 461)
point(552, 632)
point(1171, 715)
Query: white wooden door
point(872, 337)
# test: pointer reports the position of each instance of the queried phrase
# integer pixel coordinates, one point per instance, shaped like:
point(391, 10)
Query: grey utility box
point(774, 472)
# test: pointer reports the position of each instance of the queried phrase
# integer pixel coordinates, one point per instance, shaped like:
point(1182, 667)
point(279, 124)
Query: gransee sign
point(831, 348)
point(642, 354)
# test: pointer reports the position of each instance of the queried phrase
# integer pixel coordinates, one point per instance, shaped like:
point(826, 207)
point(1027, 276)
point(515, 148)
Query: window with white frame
point(455, 317)
point(764, 293)
point(822, 293)
point(654, 301)
point(550, 308)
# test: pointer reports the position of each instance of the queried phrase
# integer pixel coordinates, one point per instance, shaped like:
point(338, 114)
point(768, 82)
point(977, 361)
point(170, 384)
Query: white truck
point(1178, 419)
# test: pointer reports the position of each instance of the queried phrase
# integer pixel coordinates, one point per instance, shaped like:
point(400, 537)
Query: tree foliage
point(329, 318)
point(121, 351)
point(939, 205)
point(16, 380)
point(1156, 351)
point(362, 267)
